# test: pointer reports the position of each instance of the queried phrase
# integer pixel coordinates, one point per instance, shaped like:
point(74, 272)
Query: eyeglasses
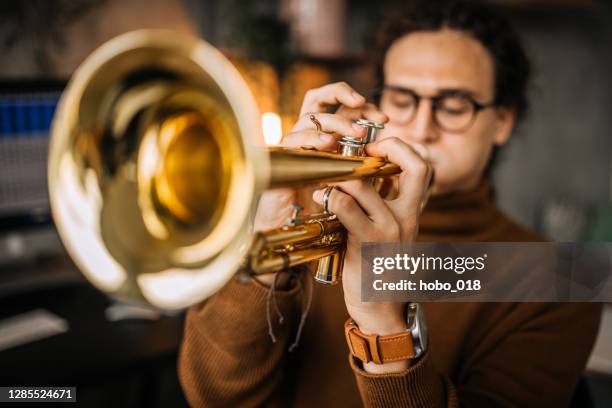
point(452, 110)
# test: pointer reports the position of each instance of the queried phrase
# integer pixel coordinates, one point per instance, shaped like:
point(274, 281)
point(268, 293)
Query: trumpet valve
point(354, 146)
point(372, 129)
point(351, 146)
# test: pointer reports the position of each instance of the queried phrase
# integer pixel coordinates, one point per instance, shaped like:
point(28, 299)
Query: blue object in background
point(20, 109)
point(5, 117)
point(49, 110)
point(34, 115)
point(26, 114)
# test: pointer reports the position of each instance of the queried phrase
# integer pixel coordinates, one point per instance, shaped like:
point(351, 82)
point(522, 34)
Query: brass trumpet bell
point(155, 166)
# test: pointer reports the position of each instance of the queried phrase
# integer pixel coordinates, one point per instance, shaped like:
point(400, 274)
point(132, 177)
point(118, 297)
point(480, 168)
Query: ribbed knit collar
point(466, 215)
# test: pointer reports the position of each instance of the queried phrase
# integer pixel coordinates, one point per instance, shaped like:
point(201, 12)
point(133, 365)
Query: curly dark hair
point(492, 29)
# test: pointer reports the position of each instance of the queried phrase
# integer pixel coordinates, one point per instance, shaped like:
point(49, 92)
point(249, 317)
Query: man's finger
point(339, 93)
point(416, 171)
point(279, 199)
point(368, 198)
point(368, 111)
point(330, 123)
point(318, 140)
point(347, 210)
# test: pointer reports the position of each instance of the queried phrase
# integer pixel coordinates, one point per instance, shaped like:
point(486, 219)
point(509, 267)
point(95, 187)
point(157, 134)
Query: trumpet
point(156, 164)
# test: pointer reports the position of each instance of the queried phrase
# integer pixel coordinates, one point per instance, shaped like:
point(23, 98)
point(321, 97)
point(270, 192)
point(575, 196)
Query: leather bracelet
point(378, 349)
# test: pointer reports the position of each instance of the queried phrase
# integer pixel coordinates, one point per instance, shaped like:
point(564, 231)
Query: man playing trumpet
point(453, 81)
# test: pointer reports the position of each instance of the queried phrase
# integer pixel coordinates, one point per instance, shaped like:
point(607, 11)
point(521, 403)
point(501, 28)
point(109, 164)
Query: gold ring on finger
point(315, 121)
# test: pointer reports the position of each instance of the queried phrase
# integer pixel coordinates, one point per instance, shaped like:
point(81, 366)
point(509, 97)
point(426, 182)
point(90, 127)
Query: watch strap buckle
point(378, 349)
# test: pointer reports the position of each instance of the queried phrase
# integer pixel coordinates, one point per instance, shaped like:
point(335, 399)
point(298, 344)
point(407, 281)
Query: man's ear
point(506, 118)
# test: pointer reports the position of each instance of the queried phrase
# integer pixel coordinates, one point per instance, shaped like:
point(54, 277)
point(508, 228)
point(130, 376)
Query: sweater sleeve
point(419, 386)
point(227, 357)
point(537, 361)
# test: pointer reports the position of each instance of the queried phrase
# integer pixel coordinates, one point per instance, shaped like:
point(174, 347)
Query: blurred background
point(55, 329)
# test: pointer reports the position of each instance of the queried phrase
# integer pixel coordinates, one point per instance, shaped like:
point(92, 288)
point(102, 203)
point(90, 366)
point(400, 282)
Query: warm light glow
point(272, 129)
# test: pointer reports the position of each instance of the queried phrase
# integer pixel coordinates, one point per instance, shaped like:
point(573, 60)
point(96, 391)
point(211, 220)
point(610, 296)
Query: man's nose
point(423, 129)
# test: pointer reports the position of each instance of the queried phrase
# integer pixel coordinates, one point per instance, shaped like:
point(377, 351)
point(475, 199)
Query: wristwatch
point(407, 345)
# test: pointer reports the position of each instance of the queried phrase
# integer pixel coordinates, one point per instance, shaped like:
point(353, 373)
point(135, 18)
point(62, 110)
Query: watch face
point(416, 324)
point(423, 333)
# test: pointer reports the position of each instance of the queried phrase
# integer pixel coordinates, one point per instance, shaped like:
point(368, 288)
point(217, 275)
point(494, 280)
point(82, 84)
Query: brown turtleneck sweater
point(480, 354)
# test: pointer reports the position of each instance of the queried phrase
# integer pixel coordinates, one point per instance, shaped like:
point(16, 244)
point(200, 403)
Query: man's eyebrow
point(457, 91)
point(441, 92)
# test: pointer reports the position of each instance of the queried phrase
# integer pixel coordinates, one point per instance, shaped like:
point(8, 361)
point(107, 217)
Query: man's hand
point(370, 218)
point(363, 212)
point(275, 206)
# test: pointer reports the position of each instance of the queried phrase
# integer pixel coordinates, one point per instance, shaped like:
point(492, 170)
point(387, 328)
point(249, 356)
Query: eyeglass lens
point(450, 112)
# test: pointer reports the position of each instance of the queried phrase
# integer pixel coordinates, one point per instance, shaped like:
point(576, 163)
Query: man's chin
point(442, 187)
point(389, 187)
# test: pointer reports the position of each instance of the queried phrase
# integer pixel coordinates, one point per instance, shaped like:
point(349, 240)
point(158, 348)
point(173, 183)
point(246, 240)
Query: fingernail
point(356, 96)
point(317, 195)
point(358, 128)
point(326, 138)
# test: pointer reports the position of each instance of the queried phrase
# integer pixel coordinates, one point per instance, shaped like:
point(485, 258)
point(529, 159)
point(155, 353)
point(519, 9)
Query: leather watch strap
point(378, 349)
